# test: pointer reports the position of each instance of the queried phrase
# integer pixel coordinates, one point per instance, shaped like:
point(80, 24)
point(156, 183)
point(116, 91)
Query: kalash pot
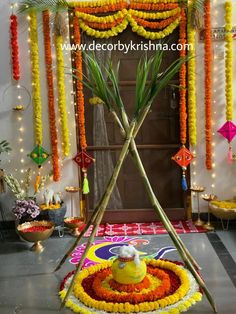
point(129, 270)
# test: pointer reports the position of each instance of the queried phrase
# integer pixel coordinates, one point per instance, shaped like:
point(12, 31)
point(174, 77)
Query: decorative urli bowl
point(223, 212)
point(75, 224)
point(27, 232)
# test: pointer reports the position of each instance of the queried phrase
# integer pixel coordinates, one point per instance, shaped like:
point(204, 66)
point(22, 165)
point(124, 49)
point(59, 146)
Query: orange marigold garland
point(105, 8)
point(51, 108)
point(153, 6)
point(208, 83)
point(156, 25)
point(183, 157)
point(82, 158)
point(14, 48)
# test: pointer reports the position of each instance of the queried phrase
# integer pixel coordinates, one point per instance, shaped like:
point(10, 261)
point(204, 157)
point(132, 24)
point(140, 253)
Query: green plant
point(4, 147)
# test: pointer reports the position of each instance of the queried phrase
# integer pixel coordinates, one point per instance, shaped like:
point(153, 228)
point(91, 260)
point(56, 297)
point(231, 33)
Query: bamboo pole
point(164, 219)
point(139, 162)
point(103, 205)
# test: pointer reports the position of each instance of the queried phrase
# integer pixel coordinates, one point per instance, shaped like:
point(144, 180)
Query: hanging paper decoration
point(51, 98)
point(183, 156)
point(228, 129)
point(14, 48)
point(34, 52)
point(192, 124)
point(208, 84)
point(60, 30)
point(82, 158)
point(39, 155)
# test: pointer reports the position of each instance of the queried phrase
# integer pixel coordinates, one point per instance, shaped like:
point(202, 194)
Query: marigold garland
point(154, 16)
point(153, 35)
point(104, 34)
point(130, 288)
point(182, 80)
point(34, 52)
point(94, 4)
point(107, 25)
point(229, 61)
point(156, 25)
point(153, 6)
point(105, 8)
point(79, 87)
point(192, 123)
point(208, 83)
point(14, 48)
point(101, 19)
point(62, 95)
point(177, 301)
point(51, 108)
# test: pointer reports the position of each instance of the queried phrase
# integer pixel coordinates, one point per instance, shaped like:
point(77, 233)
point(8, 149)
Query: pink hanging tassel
point(230, 155)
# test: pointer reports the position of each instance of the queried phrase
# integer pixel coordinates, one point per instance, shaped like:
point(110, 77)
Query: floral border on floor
point(168, 288)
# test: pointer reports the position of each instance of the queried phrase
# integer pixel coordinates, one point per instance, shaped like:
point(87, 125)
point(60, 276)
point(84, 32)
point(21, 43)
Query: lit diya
point(76, 224)
point(36, 231)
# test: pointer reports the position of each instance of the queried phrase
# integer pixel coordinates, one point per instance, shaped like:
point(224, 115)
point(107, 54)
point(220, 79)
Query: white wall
point(221, 181)
point(9, 123)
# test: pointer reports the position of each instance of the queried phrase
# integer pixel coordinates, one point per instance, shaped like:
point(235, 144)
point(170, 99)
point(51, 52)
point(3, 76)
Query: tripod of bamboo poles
point(130, 131)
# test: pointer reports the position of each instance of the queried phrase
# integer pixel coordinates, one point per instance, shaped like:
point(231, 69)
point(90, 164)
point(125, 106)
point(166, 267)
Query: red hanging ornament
point(183, 158)
point(84, 160)
point(14, 48)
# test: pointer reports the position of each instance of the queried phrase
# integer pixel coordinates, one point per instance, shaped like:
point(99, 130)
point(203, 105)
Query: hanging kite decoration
point(83, 159)
point(14, 48)
point(183, 156)
point(228, 130)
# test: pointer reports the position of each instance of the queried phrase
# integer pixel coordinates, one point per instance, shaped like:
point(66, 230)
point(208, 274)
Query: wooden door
point(158, 140)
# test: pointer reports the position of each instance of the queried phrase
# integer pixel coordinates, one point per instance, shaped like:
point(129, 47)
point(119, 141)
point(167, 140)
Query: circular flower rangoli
point(168, 288)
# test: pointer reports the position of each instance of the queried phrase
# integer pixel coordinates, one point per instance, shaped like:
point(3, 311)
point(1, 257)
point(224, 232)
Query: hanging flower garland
point(61, 87)
point(183, 157)
point(38, 126)
point(112, 25)
point(156, 25)
point(14, 48)
point(105, 8)
point(51, 108)
point(153, 6)
point(208, 83)
point(182, 80)
point(228, 130)
point(82, 158)
point(192, 123)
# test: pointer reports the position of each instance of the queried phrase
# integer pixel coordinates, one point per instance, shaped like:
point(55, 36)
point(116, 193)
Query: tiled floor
point(28, 286)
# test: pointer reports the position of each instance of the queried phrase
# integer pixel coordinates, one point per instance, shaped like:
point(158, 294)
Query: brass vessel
point(37, 236)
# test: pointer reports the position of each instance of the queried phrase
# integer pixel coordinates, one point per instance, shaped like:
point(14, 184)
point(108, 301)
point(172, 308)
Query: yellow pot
point(125, 271)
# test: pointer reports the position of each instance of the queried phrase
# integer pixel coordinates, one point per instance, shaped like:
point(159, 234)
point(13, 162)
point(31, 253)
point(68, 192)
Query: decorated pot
point(129, 270)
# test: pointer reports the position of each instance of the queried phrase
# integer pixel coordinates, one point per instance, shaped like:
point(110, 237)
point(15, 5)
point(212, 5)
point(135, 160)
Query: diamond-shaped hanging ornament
point(39, 155)
point(183, 157)
point(83, 160)
point(228, 130)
